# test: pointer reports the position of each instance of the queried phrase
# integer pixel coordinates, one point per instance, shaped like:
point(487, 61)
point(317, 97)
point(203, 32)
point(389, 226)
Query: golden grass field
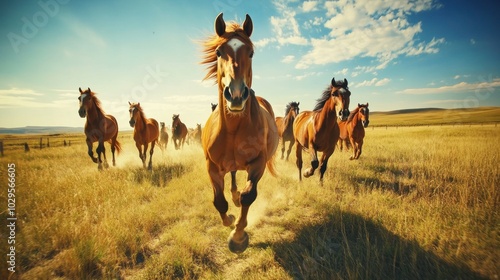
point(420, 203)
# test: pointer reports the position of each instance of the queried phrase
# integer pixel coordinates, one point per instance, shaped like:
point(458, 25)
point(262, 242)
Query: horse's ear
point(333, 81)
point(248, 25)
point(129, 103)
point(366, 104)
point(80, 89)
point(220, 25)
point(138, 104)
point(359, 105)
point(345, 82)
point(298, 103)
point(89, 90)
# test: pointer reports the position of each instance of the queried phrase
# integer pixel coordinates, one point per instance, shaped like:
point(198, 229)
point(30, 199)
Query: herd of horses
point(242, 132)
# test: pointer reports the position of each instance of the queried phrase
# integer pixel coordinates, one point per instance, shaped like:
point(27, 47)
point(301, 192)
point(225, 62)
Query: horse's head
point(365, 114)
point(134, 110)
point(292, 109)
point(234, 62)
point(84, 100)
point(341, 93)
point(175, 121)
point(162, 124)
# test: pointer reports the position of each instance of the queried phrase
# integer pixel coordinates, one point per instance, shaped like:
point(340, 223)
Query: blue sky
point(395, 55)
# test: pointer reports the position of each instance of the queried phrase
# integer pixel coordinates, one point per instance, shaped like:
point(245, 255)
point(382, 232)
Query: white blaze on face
point(82, 97)
point(235, 44)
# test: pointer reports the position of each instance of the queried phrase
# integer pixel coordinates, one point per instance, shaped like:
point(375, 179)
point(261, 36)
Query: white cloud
point(288, 59)
point(456, 88)
point(309, 6)
point(377, 29)
point(373, 82)
point(285, 25)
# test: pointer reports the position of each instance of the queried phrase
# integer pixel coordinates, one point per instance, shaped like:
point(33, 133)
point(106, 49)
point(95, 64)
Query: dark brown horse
point(354, 129)
point(145, 131)
point(285, 127)
point(240, 134)
point(179, 132)
point(162, 143)
point(317, 130)
point(99, 127)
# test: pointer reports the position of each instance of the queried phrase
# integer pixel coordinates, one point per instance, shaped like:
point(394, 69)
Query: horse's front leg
point(220, 202)
point(360, 148)
point(324, 162)
point(314, 163)
point(298, 161)
point(234, 190)
point(100, 150)
point(282, 148)
point(141, 154)
point(292, 141)
point(90, 152)
point(354, 148)
point(150, 164)
point(238, 239)
point(144, 152)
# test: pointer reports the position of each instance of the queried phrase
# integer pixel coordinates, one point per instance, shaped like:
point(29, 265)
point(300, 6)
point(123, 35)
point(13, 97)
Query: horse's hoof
point(99, 167)
point(94, 160)
point(238, 246)
point(106, 165)
point(307, 174)
point(230, 221)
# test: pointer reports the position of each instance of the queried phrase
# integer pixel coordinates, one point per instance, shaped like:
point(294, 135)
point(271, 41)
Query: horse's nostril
point(227, 93)
point(245, 93)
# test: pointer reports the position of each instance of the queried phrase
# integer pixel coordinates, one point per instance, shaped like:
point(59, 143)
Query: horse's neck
point(356, 120)
point(140, 122)
point(327, 114)
point(232, 123)
point(95, 113)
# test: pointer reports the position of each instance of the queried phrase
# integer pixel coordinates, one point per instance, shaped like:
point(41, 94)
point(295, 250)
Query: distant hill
point(435, 116)
point(40, 130)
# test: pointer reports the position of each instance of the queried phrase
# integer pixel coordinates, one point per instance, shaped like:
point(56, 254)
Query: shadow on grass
point(160, 175)
point(347, 246)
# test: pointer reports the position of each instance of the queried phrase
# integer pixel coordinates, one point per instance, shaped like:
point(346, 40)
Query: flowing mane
point(97, 103)
point(233, 29)
point(352, 114)
point(289, 107)
point(320, 102)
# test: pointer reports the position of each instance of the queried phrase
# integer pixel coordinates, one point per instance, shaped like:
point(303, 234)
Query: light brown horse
point(285, 127)
point(162, 143)
point(179, 132)
point(145, 131)
point(240, 134)
point(317, 130)
point(99, 127)
point(353, 129)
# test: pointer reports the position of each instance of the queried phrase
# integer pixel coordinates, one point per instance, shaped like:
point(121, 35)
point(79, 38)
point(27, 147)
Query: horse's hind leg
point(234, 190)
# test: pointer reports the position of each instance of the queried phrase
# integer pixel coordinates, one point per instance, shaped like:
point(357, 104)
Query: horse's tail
point(118, 147)
point(271, 166)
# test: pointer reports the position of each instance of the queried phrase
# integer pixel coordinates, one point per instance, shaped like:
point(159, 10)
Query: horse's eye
point(217, 52)
point(251, 54)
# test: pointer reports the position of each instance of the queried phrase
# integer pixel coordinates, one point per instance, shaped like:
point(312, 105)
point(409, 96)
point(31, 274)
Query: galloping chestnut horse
point(145, 131)
point(179, 132)
point(317, 130)
point(240, 133)
point(285, 127)
point(354, 129)
point(99, 127)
